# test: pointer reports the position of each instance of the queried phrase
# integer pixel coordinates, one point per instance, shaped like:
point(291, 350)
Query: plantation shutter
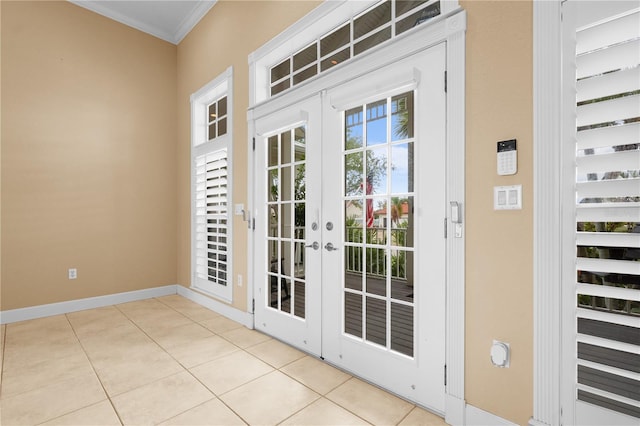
point(211, 217)
point(608, 213)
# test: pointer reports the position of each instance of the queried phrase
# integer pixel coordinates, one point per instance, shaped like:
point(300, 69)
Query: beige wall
point(88, 155)
point(499, 269)
point(223, 38)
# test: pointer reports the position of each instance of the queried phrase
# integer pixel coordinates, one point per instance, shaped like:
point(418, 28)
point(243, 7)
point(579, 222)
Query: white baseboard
point(33, 312)
point(244, 318)
point(477, 417)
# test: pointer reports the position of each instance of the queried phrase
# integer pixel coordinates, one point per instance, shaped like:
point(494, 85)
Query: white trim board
point(244, 318)
point(41, 311)
point(477, 417)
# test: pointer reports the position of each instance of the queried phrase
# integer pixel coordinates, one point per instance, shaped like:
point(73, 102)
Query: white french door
point(350, 242)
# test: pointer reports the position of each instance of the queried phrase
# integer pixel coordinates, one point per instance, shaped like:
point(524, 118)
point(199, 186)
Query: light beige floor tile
point(372, 404)
point(51, 401)
point(25, 355)
point(122, 374)
point(188, 308)
point(161, 400)
point(315, 374)
point(324, 412)
point(151, 314)
point(201, 351)
point(211, 413)
point(179, 335)
point(275, 353)
point(96, 321)
point(124, 341)
point(244, 338)
point(2, 327)
point(221, 324)
point(19, 380)
point(269, 399)
point(230, 371)
point(100, 414)
point(420, 417)
point(48, 328)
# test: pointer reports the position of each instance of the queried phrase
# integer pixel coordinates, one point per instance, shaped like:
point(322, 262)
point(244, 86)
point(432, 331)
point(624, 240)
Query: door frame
point(451, 29)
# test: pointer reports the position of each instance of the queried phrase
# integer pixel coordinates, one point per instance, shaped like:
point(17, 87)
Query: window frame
point(216, 89)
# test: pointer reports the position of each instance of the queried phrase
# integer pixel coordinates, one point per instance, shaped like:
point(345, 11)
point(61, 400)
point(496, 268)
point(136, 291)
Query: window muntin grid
point(380, 23)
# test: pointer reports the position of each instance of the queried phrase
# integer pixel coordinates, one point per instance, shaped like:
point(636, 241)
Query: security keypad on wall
point(507, 158)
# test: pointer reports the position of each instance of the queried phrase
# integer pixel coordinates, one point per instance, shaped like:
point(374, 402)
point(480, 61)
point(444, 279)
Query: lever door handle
point(330, 247)
point(314, 245)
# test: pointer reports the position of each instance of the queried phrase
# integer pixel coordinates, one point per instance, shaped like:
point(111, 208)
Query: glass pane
point(372, 41)
point(371, 20)
point(304, 75)
point(403, 6)
point(272, 185)
point(285, 152)
point(273, 293)
point(284, 85)
point(353, 128)
point(281, 70)
point(353, 173)
point(299, 260)
point(417, 18)
point(377, 171)
point(402, 116)
point(335, 40)
point(285, 271)
point(285, 220)
point(222, 107)
point(299, 307)
point(376, 281)
point(377, 123)
point(402, 328)
point(353, 314)
point(285, 185)
point(299, 182)
point(300, 135)
point(402, 168)
point(354, 214)
point(335, 59)
point(212, 131)
point(376, 321)
point(353, 268)
point(273, 151)
point(305, 57)
point(212, 113)
point(274, 229)
point(299, 213)
point(222, 126)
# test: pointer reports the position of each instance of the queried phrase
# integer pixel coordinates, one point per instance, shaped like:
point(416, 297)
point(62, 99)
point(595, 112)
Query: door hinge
point(254, 144)
point(445, 227)
point(253, 224)
point(445, 82)
point(253, 305)
point(445, 374)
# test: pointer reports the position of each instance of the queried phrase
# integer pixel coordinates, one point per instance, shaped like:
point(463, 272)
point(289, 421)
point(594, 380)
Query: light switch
point(507, 197)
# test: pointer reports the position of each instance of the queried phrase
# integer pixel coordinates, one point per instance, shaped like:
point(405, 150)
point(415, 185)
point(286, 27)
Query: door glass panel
point(379, 223)
point(353, 128)
point(353, 314)
point(376, 321)
point(286, 232)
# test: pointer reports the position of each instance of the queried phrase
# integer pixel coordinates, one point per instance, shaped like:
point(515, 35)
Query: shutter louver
point(211, 217)
point(608, 213)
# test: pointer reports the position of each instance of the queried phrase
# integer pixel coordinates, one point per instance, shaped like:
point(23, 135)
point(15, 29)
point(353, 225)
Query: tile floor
point(170, 361)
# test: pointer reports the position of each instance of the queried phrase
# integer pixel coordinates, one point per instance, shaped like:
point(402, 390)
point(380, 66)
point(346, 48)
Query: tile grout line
point(93, 368)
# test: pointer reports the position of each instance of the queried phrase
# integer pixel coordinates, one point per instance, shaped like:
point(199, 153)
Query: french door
point(350, 243)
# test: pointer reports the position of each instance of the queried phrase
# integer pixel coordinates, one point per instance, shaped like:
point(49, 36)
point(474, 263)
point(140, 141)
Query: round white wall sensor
point(500, 354)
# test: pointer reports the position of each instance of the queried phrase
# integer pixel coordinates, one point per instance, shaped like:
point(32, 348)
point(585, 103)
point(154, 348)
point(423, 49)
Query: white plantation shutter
point(608, 214)
point(211, 218)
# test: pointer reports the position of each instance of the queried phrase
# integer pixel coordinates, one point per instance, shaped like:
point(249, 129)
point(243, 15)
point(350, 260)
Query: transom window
point(376, 25)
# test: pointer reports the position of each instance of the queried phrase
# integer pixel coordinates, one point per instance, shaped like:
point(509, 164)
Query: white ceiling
point(168, 20)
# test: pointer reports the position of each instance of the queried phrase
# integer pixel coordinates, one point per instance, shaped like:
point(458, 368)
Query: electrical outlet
point(73, 273)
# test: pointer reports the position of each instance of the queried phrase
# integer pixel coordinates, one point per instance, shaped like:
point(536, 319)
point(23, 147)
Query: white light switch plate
point(507, 197)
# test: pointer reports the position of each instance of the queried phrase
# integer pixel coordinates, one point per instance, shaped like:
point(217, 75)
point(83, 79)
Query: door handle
point(330, 247)
point(314, 246)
